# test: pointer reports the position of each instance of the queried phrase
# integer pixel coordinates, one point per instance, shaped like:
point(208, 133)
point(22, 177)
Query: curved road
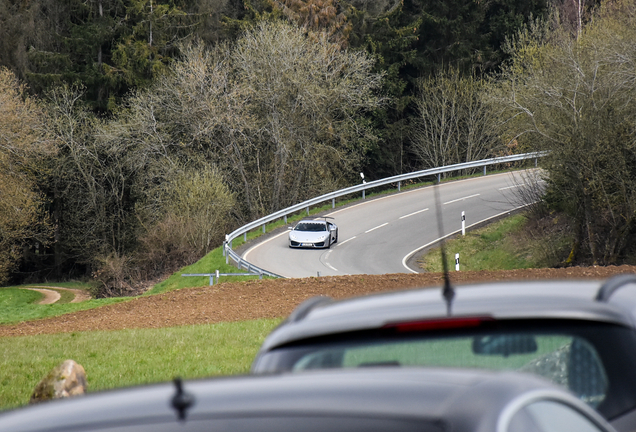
point(379, 235)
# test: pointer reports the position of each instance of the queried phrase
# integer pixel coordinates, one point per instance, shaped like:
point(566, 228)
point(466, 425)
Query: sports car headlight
point(292, 236)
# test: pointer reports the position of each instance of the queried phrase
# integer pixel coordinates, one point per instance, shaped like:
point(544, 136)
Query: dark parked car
point(579, 334)
point(364, 400)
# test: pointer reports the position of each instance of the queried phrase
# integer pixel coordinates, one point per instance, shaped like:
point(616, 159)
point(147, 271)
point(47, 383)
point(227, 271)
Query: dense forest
point(135, 133)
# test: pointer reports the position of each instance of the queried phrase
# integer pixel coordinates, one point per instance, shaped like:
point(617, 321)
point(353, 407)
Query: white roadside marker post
point(363, 182)
point(463, 224)
point(457, 262)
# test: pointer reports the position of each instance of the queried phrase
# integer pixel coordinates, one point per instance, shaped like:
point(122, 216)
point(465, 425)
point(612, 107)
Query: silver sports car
point(313, 234)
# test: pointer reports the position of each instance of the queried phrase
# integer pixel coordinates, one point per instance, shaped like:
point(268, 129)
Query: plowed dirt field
point(268, 299)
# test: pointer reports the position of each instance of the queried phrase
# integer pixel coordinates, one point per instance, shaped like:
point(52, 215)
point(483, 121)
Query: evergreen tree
point(412, 39)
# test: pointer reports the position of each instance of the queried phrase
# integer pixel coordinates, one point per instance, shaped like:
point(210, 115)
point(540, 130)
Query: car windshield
point(580, 358)
point(311, 226)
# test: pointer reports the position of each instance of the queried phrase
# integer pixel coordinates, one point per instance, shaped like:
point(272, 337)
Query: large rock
point(65, 380)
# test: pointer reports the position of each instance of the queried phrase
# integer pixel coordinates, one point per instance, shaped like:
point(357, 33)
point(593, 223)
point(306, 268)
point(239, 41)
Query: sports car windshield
point(312, 227)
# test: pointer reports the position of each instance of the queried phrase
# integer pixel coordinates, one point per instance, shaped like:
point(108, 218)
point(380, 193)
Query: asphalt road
point(379, 236)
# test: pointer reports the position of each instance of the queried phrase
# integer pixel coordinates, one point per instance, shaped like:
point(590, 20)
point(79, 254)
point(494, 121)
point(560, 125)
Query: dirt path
point(267, 299)
point(52, 295)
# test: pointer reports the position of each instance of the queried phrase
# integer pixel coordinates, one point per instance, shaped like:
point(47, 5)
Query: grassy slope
point(18, 305)
point(121, 358)
point(494, 247)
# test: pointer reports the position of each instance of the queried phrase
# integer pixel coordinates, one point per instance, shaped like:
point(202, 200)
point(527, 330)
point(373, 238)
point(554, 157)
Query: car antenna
point(447, 292)
point(182, 400)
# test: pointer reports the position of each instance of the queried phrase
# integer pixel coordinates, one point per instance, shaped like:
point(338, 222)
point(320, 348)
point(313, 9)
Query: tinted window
point(579, 355)
point(568, 361)
point(313, 227)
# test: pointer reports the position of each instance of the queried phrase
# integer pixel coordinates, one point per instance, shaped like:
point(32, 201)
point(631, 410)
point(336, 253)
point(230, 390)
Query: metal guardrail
point(218, 275)
point(241, 263)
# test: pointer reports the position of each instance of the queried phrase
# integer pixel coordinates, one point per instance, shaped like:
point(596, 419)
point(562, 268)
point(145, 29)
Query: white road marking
point(261, 244)
point(349, 239)
point(511, 187)
point(368, 201)
point(520, 185)
point(331, 267)
point(414, 213)
point(326, 256)
point(461, 199)
point(379, 226)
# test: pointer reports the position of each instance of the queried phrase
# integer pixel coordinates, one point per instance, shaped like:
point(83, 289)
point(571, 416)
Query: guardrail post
point(285, 219)
point(308, 211)
point(218, 277)
point(260, 275)
point(227, 258)
point(363, 191)
point(484, 169)
point(211, 280)
point(245, 236)
point(439, 177)
point(224, 251)
point(399, 186)
point(263, 228)
point(333, 203)
point(536, 161)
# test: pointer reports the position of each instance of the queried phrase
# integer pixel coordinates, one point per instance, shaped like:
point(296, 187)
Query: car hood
point(308, 236)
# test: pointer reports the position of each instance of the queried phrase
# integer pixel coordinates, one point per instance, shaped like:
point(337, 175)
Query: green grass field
point(18, 305)
point(127, 357)
point(494, 247)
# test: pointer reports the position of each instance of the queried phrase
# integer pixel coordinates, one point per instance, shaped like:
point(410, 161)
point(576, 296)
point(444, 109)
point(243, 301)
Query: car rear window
point(569, 361)
point(580, 356)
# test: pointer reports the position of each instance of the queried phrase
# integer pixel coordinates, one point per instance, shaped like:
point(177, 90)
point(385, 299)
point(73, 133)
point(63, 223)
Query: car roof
point(564, 299)
point(460, 397)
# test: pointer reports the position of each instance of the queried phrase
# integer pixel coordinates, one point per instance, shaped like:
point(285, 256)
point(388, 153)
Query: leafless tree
point(456, 120)
point(280, 114)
